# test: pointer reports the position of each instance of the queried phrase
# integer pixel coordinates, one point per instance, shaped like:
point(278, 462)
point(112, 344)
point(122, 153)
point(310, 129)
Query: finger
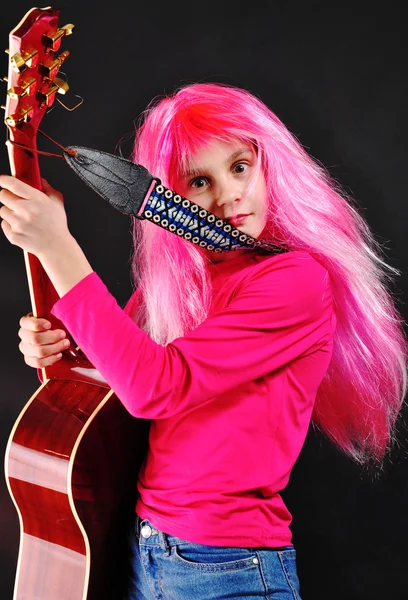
point(41, 363)
point(7, 230)
point(10, 234)
point(34, 323)
point(41, 338)
point(10, 200)
point(7, 214)
point(37, 351)
point(18, 187)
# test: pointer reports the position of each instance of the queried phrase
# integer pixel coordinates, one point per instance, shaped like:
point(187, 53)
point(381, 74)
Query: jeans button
point(146, 531)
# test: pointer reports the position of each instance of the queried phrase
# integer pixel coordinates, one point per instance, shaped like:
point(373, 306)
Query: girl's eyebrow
point(196, 172)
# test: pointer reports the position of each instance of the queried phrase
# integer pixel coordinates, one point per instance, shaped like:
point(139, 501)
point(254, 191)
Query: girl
point(230, 355)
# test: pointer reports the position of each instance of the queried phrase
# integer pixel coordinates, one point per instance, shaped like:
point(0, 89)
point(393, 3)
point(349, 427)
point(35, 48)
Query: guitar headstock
point(32, 75)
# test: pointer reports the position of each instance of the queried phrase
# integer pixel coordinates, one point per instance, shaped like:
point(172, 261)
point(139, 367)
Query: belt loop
point(137, 525)
point(164, 544)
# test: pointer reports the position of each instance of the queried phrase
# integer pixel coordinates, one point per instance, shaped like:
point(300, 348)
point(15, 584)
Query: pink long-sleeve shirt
point(230, 402)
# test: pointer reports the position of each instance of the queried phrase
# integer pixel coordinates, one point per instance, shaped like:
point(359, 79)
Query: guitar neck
point(24, 165)
point(42, 293)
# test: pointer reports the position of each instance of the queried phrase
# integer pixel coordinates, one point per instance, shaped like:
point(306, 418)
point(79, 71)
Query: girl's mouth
point(237, 220)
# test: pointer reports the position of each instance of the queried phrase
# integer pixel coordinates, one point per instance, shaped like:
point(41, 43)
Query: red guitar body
point(74, 453)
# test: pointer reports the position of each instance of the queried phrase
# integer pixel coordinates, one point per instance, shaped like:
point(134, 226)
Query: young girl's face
point(217, 179)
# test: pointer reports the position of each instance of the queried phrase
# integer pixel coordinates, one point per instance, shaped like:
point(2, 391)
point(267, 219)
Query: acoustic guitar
point(74, 453)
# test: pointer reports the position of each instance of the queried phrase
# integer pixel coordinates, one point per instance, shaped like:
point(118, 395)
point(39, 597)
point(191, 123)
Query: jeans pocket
point(214, 558)
point(288, 562)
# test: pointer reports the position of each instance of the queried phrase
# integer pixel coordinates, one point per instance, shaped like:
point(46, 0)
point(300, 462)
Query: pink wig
point(362, 393)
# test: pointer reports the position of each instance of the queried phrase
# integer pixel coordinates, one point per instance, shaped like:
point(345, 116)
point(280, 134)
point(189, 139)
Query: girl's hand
point(33, 220)
point(40, 345)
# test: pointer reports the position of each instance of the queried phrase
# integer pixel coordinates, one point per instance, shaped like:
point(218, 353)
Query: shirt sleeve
point(279, 312)
point(130, 309)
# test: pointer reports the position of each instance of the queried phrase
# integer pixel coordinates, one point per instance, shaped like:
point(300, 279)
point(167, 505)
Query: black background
point(336, 74)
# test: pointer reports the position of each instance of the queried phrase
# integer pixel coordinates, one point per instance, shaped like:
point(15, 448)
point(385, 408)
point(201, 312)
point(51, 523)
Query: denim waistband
point(149, 535)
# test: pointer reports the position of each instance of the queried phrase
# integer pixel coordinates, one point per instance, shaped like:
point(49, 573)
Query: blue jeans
point(165, 567)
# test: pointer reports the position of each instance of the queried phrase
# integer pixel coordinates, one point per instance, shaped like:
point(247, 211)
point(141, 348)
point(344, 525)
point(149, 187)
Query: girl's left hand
point(33, 220)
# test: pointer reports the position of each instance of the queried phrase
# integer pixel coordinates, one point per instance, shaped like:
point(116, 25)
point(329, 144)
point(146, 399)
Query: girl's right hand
point(40, 345)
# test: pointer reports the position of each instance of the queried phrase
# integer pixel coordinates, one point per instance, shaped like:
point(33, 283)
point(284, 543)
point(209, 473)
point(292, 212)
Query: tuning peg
point(50, 67)
point(3, 107)
point(47, 95)
point(21, 117)
point(7, 51)
point(5, 78)
point(15, 92)
point(61, 84)
point(19, 62)
point(26, 87)
point(53, 40)
point(68, 29)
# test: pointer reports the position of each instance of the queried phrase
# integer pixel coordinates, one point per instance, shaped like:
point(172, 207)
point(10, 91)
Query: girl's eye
point(240, 167)
point(199, 182)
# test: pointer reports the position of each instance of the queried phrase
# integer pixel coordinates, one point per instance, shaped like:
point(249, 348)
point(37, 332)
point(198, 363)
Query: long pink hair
point(363, 390)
